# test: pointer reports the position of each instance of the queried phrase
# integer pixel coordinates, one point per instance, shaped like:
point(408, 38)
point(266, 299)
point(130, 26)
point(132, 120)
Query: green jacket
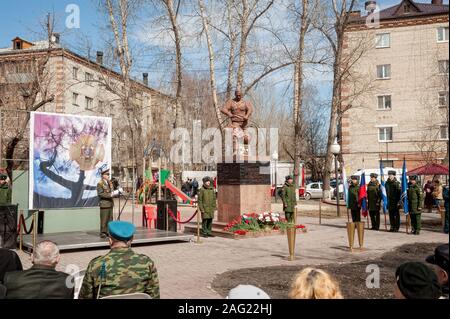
point(288, 197)
point(374, 196)
point(414, 199)
point(353, 194)
point(393, 192)
point(5, 194)
point(104, 191)
point(207, 202)
point(125, 272)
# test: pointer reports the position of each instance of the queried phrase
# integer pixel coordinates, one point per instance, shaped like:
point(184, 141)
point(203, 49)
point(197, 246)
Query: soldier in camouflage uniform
point(393, 192)
point(207, 206)
point(5, 190)
point(121, 271)
point(415, 205)
point(289, 199)
point(106, 202)
point(353, 194)
point(374, 201)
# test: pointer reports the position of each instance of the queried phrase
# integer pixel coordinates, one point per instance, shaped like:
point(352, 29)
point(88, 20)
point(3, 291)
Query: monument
point(244, 183)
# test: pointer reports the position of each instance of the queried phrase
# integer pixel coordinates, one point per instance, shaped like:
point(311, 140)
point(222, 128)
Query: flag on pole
point(345, 183)
point(383, 189)
point(362, 196)
point(404, 197)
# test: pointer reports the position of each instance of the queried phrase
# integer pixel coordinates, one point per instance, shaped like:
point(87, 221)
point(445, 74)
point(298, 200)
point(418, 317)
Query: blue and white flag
point(383, 189)
point(404, 197)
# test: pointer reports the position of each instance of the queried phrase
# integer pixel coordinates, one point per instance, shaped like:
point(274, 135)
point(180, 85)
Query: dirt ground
point(351, 276)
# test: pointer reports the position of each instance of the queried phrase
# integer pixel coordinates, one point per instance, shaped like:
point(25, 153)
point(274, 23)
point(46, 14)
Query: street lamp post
point(275, 159)
point(336, 149)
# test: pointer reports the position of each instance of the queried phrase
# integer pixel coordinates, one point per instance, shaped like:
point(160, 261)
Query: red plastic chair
point(150, 214)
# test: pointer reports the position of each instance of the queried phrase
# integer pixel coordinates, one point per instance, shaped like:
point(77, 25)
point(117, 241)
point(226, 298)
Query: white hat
point(247, 292)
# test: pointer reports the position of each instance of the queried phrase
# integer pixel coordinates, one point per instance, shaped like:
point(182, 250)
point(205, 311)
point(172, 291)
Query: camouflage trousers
point(416, 222)
point(375, 219)
point(206, 226)
point(356, 215)
point(394, 219)
point(106, 215)
point(289, 217)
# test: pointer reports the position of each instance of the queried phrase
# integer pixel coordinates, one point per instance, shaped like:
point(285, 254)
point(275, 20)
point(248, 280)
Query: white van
point(369, 171)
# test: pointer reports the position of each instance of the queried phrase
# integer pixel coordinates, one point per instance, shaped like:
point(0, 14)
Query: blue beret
point(121, 230)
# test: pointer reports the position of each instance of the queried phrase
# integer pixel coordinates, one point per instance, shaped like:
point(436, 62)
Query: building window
point(387, 163)
point(384, 102)
point(443, 99)
point(383, 40)
point(75, 73)
point(442, 34)
point(443, 132)
point(88, 77)
point(89, 103)
point(384, 71)
point(385, 134)
point(443, 66)
point(75, 99)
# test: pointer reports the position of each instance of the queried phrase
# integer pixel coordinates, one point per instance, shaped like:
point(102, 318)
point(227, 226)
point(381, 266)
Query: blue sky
point(21, 18)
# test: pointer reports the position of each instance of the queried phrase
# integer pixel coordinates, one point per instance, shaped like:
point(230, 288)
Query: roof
point(429, 169)
point(417, 10)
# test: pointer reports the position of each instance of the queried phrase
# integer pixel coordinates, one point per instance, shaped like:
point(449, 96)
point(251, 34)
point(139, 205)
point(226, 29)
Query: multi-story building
point(395, 100)
point(34, 71)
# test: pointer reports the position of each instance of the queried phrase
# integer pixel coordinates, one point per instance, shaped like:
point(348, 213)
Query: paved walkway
point(186, 270)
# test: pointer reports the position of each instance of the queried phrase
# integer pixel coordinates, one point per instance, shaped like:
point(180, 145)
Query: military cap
point(413, 177)
point(288, 177)
point(355, 177)
point(3, 177)
point(392, 173)
point(374, 175)
point(417, 281)
point(121, 230)
point(440, 257)
point(206, 178)
point(105, 171)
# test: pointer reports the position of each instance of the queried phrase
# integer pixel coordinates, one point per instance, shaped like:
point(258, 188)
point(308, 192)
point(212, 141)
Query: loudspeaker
point(8, 226)
point(163, 214)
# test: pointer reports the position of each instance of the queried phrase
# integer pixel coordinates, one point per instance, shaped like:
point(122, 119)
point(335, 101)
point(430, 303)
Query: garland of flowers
point(252, 222)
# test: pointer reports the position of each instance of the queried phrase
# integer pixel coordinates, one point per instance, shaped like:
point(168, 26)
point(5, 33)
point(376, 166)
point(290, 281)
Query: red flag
point(362, 196)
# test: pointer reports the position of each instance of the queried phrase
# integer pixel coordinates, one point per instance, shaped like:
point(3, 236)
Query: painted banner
point(67, 154)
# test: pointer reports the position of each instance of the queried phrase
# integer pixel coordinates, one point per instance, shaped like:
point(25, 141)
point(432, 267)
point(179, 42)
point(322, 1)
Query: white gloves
point(121, 190)
point(115, 193)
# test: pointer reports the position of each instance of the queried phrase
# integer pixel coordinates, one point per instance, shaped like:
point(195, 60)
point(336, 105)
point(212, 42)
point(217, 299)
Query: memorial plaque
point(243, 173)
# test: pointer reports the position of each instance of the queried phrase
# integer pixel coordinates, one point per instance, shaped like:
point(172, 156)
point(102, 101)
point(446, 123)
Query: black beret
point(417, 281)
point(288, 177)
point(440, 257)
point(392, 173)
point(413, 177)
point(374, 175)
point(206, 178)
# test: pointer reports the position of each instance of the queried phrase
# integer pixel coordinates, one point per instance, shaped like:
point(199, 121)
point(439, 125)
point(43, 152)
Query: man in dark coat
point(374, 200)
point(41, 281)
point(289, 199)
point(207, 206)
point(415, 205)
point(353, 194)
point(9, 261)
point(393, 192)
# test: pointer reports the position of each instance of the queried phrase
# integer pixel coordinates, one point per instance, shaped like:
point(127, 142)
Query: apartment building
point(395, 103)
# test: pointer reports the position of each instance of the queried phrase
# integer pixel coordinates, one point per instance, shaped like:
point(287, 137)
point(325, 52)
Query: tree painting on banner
point(67, 153)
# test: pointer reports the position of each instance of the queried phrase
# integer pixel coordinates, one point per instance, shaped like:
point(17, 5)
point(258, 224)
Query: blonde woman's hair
point(311, 283)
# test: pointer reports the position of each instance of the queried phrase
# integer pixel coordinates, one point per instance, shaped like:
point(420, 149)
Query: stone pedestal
point(242, 188)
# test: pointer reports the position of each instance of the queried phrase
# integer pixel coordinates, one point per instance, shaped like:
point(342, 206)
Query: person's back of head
point(416, 280)
point(247, 292)
point(46, 253)
point(311, 283)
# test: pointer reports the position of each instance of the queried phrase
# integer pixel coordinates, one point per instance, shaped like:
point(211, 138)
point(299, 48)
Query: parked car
point(313, 190)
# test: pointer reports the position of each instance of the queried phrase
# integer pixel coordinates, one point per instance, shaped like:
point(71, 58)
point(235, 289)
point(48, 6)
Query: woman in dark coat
point(428, 190)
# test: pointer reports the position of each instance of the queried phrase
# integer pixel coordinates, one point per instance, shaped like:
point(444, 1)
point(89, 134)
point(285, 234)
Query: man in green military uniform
point(393, 192)
point(415, 205)
point(105, 194)
point(121, 270)
point(5, 190)
point(289, 199)
point(207, 206)
point(353, 194)
point(374, 200)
